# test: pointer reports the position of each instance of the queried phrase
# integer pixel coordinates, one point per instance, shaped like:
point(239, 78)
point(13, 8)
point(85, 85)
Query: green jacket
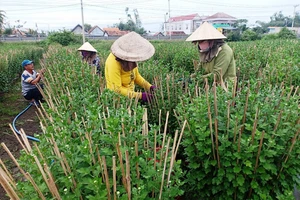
point(222, 64)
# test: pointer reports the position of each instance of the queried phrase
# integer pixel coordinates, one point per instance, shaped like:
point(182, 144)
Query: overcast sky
point(66, 14)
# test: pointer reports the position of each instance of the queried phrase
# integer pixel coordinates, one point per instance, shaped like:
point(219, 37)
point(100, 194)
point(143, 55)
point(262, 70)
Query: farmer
point(29, 79)
point(216, 57)
point(121, 67)
point(89, 55)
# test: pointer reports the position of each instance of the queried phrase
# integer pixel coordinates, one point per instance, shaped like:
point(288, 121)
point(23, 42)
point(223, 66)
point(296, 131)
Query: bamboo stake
point(164, 170)
point(259, 150)
point(121, 165)
point(296, 90)
point(235, 129)
point(255, 125)
point(164, 137)
point(291, 148)
point(289, 95)
point(180, 137)
point(228, 117)
point(39, 152)
point(277, 122)
point(7, 187)
point(100, 162)
point(21, 170)
point(11, 179)
point(128, 175)
point(21, 143)
point(114, 177)
point(51, 182)
point(29, 177)
point(51, 189)
point(26, 142)
point(106, 178)
point(88, 137)
point(172, 156)
point(68, 168)
point(216, 122)
point(137, 155)
point(245, 109)
point(210, 120)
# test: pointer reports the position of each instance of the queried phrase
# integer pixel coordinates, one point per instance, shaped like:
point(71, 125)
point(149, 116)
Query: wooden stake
point(210, 120)
point(259, 150)
point(128, 175)
point(114, 177)
point(164, 170)
point(106, 178)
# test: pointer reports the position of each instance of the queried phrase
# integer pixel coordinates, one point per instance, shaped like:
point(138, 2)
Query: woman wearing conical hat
point(121, 68)
point(89, 55)
point(216, 57)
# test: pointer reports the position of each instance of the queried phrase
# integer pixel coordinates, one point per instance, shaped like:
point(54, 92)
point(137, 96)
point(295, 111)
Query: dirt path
point(11, 104)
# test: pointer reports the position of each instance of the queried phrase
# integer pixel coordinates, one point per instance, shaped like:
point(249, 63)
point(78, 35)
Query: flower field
point(194, 141)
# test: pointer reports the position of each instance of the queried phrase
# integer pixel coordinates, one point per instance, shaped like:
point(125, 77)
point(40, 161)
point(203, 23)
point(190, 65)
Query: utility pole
point(82, 21)
point(295, 6)
point(169, 19)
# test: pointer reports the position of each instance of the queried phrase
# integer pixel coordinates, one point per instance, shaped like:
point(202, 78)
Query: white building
point(186, 24)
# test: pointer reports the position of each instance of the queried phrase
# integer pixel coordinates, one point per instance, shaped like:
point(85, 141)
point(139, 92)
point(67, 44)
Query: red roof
point(115, 31)
point(183, 18)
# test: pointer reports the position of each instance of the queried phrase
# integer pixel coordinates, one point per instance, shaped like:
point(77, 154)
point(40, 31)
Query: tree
point(278, 19)
point(131, 25)
point(249, 35)
point(241, 25)
point(262, 28)
point(87, 27)
point(2, 16)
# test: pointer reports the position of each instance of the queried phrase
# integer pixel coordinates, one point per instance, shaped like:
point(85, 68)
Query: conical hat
point(132, 47)
point(87, 47)
point(205, 32)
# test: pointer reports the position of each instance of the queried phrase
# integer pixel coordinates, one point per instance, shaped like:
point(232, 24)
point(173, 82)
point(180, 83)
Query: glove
point(152, 88)
point(146, 97)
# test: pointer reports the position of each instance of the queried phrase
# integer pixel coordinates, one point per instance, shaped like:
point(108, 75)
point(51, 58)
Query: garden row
point(195, 140)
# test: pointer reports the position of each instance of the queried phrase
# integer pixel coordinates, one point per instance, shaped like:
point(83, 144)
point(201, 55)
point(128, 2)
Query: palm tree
point(2, 16)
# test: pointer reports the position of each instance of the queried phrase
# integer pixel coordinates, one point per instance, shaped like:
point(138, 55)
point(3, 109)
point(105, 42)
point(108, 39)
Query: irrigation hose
point(14, 124)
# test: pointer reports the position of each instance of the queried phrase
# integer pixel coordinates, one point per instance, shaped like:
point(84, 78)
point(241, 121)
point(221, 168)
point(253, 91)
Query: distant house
point(221, 19)
point(175, 33)
point(78, 30)
point(155, 34)
point(96, 31)
point(114, 32)
point(185, 23)
point(275, 29)
point(18, 33)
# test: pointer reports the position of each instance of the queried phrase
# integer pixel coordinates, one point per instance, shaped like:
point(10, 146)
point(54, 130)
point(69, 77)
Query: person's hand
point(152, 88)
point(42, 71)
point(147, 97)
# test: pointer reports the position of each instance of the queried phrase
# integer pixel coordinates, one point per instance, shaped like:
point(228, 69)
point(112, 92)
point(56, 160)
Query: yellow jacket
point(121, 81)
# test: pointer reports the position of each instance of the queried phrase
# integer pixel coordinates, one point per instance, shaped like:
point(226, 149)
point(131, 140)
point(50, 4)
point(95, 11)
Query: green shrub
point(64, 38)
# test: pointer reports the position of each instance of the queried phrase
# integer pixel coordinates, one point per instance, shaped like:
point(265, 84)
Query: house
point(114, 32)
point(275, 29)
point(78, 30)
point(96, 31)
point(175, 33)
point(222, 19)
point(185, 23)
point(155, 34)
point(18, 33)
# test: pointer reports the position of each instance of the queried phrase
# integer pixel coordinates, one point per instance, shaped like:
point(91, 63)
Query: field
point(192, 142)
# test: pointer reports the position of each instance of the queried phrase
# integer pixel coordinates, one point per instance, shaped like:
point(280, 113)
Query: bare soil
point(11, 104)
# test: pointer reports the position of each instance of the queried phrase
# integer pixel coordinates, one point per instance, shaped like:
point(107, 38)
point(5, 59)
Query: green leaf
point(237, 169)
point(240, 180)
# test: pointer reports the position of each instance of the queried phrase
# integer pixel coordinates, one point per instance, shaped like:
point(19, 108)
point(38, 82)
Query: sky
point(57, 15)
